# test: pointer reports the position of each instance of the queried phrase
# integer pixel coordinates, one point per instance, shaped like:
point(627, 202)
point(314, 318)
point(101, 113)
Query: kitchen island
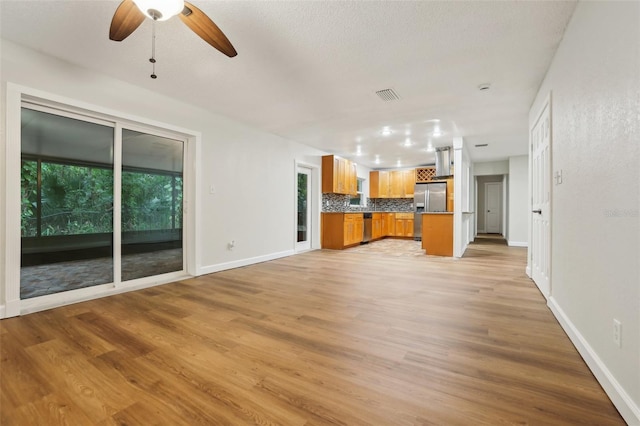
point(437, 233)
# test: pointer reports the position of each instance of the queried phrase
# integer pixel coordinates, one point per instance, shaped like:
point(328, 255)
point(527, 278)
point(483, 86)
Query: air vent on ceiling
point(387, 95)
point(482, 145)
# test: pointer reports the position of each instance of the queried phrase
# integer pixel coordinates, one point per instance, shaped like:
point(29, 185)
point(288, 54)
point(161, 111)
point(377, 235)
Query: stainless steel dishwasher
point(368, 218)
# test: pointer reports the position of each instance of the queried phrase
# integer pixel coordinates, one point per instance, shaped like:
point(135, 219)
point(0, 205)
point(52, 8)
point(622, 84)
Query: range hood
point(443, 162)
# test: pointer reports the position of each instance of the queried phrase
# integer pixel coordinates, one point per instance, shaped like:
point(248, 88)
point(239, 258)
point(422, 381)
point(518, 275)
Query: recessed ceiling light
point(377, 161)
point(359, 150)
point(399, 163)
point(436, 133)
point(386, 131)
point(430, 148)
point(407, 142)
point(484, 86)
point(433, 120)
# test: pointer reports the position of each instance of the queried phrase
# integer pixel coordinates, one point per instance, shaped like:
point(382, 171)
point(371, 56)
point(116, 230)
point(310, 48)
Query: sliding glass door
point(68, 218)
point(151, 205)
point(67, 203)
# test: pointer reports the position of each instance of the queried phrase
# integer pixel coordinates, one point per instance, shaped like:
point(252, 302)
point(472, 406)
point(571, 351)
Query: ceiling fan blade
point(125, 21)
point(204, 27)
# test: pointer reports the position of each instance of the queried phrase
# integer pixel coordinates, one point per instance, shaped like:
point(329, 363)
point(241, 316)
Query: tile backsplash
point(333, 203)
point(391, 204)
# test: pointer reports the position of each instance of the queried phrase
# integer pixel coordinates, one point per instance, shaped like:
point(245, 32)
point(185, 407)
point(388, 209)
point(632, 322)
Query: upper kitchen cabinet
point(409, 179)
point(379, 184)
point(339, 176)
point(392, 184)
point(425, 174)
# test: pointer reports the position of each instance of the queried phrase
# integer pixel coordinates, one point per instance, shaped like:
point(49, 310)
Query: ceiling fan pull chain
point(153, 50)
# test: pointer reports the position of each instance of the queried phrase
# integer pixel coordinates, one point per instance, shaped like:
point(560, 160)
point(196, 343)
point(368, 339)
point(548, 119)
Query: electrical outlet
point(212, 189)
point(617, 332)
point(231, 244)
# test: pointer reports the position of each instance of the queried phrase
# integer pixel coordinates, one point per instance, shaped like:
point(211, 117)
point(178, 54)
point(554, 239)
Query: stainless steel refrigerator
point(428, 197)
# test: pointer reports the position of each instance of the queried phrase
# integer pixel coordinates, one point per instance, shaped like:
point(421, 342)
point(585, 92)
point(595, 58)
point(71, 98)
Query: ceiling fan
point(131, 13)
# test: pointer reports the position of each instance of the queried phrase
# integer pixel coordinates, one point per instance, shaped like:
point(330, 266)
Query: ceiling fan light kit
point(160, 10)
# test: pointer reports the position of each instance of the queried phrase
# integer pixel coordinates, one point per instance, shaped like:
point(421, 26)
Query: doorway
point(303, 208)
point(493, 207)
point(497, 224)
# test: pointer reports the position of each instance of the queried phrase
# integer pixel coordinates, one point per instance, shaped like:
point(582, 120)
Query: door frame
point(304, 245)
point(15, 96)
point(486, 204)
point(313, 208)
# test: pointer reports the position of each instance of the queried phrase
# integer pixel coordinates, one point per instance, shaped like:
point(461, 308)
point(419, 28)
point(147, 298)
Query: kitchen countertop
point(354, 212)
point(437, 213)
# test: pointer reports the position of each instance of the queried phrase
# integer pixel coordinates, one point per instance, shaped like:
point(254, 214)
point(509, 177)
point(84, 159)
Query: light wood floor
point(326, 337)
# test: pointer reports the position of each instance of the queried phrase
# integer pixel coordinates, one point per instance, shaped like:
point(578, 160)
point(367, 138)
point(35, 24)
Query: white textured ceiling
point(309, 70)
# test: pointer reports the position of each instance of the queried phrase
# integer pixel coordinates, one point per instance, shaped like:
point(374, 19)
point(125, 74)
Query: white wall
point(253, 171)
point(594, 81)
point(491, 168)
point(518, 223)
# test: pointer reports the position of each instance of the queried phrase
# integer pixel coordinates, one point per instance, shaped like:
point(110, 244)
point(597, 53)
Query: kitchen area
point(402, 204)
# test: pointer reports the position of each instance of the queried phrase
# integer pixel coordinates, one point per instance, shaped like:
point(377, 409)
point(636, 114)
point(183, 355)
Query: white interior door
point(540, 242)
point(303, 208)
point(493, 204)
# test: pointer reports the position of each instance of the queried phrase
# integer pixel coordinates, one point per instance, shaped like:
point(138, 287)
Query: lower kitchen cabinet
point(376, 226)
point(341, 230)
point(437, 233)
point(404, 224)
point(390, 221)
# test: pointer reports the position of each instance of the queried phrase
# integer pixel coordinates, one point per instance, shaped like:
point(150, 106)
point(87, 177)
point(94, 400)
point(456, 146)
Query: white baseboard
point(629, 410)
point(518, 244)
point(210, 269)
point(527, 271)
point(2, 311)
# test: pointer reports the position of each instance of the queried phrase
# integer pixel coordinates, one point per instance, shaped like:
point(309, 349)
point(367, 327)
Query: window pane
point(76, 199)
point(29, 196)
point(151, 205)
point(67, 199)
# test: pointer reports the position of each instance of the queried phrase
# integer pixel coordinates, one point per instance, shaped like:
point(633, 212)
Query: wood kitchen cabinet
point(450, 194)
point(425, 174)
point(437, 233)
point(409, 182)
point(384, 224)
point(379, 184)
point(377, 226)
point(339, 176)
point(396, 184)
point(353, 224)
point(390, 221)
point(404, 224)
point(392, 184)
point(341, 230)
